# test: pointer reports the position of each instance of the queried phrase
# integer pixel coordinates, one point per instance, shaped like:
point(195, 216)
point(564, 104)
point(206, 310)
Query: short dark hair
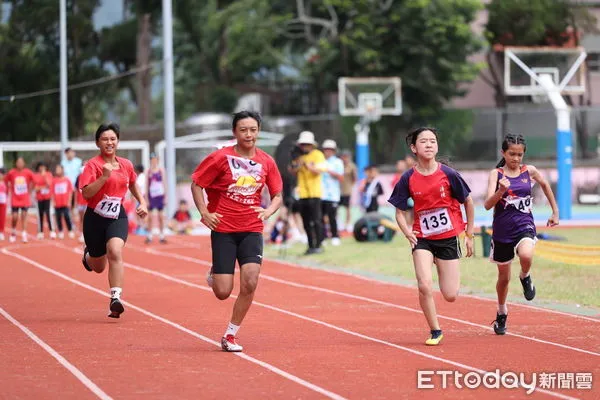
point(245, 114)
point(68, 149)
point(108, 127)
point(139, 167)
point(40, 165)
point(182, 201)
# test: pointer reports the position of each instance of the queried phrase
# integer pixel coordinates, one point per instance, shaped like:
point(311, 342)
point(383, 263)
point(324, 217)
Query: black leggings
point(44, 209)
point(312, 219)
point(63, 212)
point(330, 209)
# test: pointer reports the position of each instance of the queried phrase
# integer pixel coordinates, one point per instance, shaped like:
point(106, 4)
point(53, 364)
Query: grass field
point(572, 287)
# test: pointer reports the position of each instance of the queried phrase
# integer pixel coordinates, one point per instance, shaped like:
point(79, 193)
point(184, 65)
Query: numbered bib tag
point(435, 222)
point(60, 188)
point(523, 204)
point(109, 207)
point(21, 188)
point(2, 198)
point(45, 191)
point(156, 189)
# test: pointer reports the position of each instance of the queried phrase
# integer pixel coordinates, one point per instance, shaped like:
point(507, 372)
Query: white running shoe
point(228, 344)
point(40, 236)
point(61, 235)
point(52, 235)
point(209, 278)
point(81, 239)
point(336, 241)
point(12, 239)
point(71, 235)
point(24, 237)
point(1, 236)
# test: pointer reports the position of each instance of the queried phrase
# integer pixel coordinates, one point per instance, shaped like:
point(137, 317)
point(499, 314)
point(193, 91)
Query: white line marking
point(61, 360)
point(319, 322)
point(369, 300)
point(381, 282)
point(175, 325)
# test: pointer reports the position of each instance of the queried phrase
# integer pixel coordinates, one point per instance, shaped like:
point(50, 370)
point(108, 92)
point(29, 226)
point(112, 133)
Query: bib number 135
point(435, 222)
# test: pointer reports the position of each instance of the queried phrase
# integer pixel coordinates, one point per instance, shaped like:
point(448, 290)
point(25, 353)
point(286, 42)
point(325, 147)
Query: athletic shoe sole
point(116, 309)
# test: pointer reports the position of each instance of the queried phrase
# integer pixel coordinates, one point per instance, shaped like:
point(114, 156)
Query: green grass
point(558, 285)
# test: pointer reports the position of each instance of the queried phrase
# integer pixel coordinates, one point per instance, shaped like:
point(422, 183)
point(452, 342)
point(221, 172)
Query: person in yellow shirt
point(309, 167)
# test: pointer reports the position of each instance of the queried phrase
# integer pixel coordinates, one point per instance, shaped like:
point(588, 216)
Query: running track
point(311, 334)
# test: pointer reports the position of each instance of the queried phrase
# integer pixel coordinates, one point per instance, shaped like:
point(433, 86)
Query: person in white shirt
point(331, 188)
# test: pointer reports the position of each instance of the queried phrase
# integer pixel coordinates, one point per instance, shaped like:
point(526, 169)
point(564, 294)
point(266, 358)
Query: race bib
point(2, 198)
point(109, 207)
point(156, 189)
point(45, 191)
point(21, 188)
point(523, 204)
point(435, 222)
point(60, 188)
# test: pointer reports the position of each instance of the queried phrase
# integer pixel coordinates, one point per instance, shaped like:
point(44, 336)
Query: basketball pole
point(169, 106)
point(64, 121)
point(362, 145)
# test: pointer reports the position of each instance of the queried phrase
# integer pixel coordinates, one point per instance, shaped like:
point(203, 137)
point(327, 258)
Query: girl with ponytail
point(509, 192)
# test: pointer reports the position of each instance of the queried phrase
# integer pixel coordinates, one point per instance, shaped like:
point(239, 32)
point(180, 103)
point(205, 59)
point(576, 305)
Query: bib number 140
point(435, 222)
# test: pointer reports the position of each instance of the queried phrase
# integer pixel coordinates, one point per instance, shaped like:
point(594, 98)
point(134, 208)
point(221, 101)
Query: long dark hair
point(508, 140)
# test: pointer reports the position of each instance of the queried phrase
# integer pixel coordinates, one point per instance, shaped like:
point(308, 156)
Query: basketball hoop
point(371, 104)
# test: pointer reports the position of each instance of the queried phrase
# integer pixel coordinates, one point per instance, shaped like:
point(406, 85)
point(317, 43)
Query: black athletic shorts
point(503, 253)
point(345, 201)
point(245, 247)
point(443, 249)
point(16, 210)
point(97, 231)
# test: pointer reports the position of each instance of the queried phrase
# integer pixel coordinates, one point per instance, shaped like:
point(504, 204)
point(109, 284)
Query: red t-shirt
point(233, 184)
point(182, 216)
point(116, 185)
point(19, 182)
point(79, 199)
point(3, 196)
point(62, 189)
point(437, 200)
point(42, 184)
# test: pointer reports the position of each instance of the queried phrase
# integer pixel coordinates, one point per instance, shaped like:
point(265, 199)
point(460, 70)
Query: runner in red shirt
point(62, 193)
point(233, 178)
point(437, 191)
point(20, 186)
point(104, 183)
point(3, 201)
point(42, 180)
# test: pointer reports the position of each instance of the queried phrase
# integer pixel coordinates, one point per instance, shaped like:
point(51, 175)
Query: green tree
point(425, 42)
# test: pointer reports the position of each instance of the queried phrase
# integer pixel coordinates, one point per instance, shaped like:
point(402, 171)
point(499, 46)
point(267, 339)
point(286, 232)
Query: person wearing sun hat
point(331, 188)
point(309, 168)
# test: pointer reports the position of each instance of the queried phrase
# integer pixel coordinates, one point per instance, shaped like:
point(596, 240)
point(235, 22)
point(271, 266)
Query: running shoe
point(528, 288)
point(435, 338)
point(24, 237)
point(84, 262)
point(500, 324)
point(116, 308)
point(228, 344)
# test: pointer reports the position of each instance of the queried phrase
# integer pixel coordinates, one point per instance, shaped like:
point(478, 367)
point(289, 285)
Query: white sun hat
point(329, 144)
point(307, 137)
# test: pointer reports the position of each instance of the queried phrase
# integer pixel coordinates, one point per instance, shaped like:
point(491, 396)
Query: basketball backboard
point(524, 65)
point(371, 97)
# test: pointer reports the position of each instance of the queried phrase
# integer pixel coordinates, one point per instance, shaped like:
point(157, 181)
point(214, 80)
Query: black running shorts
point(245, 247)
point(97, 231)
point(443, 249)
point(503, 253)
